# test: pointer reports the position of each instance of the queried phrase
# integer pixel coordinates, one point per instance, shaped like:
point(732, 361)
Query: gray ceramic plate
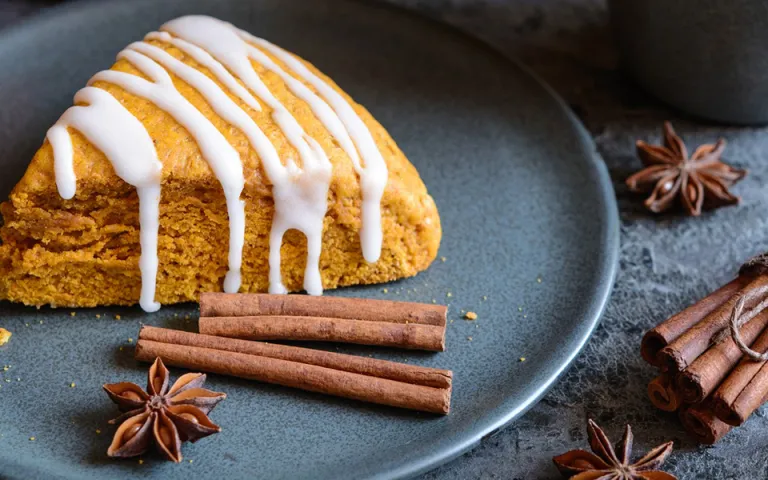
point(528, 213)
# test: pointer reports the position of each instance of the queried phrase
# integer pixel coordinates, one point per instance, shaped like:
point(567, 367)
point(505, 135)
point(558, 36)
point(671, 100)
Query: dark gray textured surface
point(529, 220)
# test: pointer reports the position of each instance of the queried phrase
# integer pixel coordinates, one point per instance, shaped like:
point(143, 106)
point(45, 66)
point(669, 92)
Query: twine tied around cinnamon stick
point(711, 355)
point(739, 318)
point(755, 266)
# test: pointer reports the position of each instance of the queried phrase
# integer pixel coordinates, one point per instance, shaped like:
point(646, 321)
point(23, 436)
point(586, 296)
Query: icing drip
point(128, 146)
point(340, 119)
point(373, 175)
point(300, 193)
point(220, 155)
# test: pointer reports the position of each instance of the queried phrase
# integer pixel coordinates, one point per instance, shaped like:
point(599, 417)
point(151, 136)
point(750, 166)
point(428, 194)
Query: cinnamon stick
point(745, 389)
point(663, 393)
point(700, 421)
point(408, 335)
point(703, 376)
point(257, 304)
point(664, 334)
point(676, 356)
point(359, 378)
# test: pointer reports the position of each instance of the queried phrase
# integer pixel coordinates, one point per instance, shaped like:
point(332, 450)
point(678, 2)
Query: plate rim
point(609, 240)
point(607, 272)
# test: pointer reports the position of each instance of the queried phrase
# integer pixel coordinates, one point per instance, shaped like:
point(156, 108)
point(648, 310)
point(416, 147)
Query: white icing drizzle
point(373, 175)
point(340, 118)
point(128, 146)
point(300, 194)
point(202, 57)
point(220, 155)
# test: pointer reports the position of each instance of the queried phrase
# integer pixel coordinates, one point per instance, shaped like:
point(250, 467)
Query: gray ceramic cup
point(706, 57)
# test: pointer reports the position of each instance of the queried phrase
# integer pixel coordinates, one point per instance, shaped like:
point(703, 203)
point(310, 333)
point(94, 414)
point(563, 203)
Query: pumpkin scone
point(207, 159)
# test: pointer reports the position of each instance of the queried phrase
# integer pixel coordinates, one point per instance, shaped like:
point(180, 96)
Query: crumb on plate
point(5, 336)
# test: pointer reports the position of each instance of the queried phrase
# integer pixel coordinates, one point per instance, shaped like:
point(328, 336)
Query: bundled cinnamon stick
point(700, 421)
point(663, 394)
point(707, 371)
point(676, 356)
point(662, 335)
point(745, 389)
point(359, 378)
point(334, 319)
point(714, 356)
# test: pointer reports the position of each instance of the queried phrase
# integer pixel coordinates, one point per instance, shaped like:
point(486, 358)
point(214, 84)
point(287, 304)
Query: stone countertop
point(666, 262)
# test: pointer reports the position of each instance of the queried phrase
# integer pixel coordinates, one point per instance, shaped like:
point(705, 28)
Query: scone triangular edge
point(178, 168)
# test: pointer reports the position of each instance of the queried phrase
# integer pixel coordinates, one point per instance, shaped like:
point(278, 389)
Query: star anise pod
point(701, 180)
point(606, 464)
point(165, 416)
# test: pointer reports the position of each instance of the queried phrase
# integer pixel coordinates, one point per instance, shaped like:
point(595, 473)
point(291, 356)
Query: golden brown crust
point(84, 251)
